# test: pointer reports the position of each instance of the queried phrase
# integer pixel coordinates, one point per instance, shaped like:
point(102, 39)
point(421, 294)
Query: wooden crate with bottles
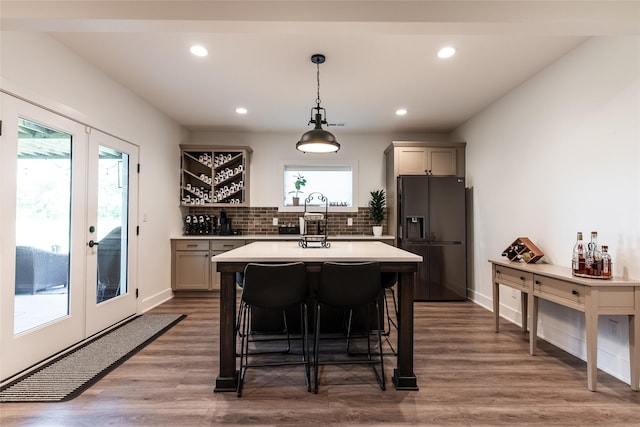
point(523, 250)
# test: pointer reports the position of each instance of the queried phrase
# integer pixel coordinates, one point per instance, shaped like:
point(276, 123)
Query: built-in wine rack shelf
point(214, 176)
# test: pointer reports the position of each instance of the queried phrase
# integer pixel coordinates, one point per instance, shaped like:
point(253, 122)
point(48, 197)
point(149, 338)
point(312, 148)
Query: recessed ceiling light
point(401, 112)
point(446, 52)
point(198, 50)
point(241, 110)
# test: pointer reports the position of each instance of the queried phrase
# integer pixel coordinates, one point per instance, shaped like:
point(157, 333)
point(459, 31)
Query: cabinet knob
point(522, 278)
point(538, 282)
point(574, 292)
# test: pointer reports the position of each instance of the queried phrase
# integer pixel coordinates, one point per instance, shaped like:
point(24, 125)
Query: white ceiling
point(381, 55)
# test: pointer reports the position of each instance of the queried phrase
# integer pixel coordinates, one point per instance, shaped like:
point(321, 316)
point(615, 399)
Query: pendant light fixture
point(318, 140)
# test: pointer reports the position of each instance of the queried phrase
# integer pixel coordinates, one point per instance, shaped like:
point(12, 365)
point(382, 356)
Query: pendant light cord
point(318, 80)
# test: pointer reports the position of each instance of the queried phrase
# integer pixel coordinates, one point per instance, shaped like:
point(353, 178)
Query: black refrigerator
point(431, 219)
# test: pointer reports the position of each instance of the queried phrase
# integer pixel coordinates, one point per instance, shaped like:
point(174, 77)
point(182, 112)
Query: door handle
point(92, 243)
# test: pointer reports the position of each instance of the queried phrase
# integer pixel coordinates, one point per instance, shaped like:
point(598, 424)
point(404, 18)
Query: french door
point(68, 195)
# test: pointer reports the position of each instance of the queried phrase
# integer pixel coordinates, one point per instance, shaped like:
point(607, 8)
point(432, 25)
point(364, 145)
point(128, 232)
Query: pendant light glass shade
point(318, 140)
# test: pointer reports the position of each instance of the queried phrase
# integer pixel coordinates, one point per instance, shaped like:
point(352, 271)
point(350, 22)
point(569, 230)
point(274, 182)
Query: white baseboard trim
point(154, 301)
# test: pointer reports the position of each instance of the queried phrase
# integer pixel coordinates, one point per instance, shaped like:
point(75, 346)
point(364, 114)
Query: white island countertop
point(279, 237)
point(338, 251)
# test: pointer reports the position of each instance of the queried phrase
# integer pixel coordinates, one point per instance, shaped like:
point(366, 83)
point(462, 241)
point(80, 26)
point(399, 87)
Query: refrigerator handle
point(399, 212)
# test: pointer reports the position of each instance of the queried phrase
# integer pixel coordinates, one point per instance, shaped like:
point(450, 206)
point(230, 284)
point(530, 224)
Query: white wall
point(38, 68)
point(271, 148)
point(557, 155)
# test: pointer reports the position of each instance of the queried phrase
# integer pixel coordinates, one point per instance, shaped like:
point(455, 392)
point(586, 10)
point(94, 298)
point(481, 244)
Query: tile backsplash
point(259, 220)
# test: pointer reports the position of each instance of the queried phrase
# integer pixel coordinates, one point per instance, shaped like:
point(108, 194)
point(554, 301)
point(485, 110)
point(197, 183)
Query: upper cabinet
point(214, 176)
point(425, 158)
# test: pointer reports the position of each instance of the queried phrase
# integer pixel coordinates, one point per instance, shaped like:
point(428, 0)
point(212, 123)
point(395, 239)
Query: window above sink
point(336, 180)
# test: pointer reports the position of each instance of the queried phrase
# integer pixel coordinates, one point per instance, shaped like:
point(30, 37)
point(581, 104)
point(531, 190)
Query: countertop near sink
point(279, 237)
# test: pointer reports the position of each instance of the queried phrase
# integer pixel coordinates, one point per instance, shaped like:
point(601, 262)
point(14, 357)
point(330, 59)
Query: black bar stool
point(350, 286)
point(259, 336)
point(276, 287)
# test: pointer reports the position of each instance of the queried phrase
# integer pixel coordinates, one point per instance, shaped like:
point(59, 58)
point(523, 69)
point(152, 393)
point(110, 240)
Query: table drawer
point(226, 245)
point(513, 277)
point(192, 245)
point(559, 290)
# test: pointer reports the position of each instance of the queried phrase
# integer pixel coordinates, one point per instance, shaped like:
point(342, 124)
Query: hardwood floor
point(468, 376)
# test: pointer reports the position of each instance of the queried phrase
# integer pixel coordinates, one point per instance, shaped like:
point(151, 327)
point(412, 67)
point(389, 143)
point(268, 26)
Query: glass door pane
point(112, 223)
point(43, 218)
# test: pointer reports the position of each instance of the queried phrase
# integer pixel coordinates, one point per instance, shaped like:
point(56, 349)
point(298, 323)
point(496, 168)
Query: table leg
point(634, 352)
point(524, 306)
point(403, 376)
point(228, 375)
point(591, 320)
point(496, 305)
point(533, 330)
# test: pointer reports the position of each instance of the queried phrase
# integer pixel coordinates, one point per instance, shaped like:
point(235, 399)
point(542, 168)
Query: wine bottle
point(578, 260)
point(607, 264)
point(593, 259)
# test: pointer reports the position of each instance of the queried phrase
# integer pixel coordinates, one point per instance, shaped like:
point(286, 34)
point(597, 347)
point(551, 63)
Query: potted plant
point(376, 210)
point(299, 183)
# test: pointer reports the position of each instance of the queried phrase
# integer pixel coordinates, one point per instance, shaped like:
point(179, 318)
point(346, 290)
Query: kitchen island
point(391, 259)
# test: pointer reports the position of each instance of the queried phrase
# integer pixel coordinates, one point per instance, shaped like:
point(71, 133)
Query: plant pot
point(377, 230)
point(296, 201)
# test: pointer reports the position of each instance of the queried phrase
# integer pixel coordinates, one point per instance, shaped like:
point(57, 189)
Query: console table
point(593, 297)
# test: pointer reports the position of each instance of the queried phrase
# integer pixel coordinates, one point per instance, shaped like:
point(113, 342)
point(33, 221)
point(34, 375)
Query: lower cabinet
point(191, 266)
